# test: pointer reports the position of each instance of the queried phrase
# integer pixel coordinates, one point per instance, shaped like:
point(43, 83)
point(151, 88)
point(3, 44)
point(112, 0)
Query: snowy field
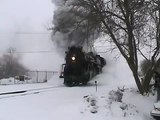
point(21, 26)
point(54, 101)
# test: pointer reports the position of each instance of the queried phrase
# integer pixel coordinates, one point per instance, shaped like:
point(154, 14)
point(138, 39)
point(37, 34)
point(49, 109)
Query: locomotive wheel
point(84, 83)
point(69, 81)
point(72, 83)
point(156, 117)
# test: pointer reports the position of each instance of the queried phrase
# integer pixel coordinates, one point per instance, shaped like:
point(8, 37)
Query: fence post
point(37, 76)
point(27, 76)
point(46, 77)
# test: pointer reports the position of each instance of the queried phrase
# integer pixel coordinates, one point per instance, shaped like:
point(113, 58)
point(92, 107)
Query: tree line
point(10, 66)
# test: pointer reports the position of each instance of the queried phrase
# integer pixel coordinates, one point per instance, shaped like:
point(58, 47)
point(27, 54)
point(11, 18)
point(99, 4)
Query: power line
point(27, 33)
point(23, 52)
point(39, 51)
point(31, 33)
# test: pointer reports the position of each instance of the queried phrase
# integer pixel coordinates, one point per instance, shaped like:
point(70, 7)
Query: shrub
point(145, 65)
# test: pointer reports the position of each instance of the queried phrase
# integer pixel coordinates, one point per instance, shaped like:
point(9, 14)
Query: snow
point(81, 102)
point(116, 97)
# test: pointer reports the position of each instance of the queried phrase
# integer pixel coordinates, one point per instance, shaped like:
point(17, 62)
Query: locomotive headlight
point(73, 58)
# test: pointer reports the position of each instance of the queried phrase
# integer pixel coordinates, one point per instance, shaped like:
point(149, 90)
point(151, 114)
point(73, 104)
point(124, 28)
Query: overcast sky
point(27, 16)
point(24, 15)
point(20, 16)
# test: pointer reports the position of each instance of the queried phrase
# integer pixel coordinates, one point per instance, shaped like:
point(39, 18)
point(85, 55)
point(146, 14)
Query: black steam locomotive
point(80, 67)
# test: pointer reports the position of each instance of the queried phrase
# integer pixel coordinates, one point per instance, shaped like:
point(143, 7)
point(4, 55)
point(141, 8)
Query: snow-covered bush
point(117, 106)
point(115, 96)
point(91, 103)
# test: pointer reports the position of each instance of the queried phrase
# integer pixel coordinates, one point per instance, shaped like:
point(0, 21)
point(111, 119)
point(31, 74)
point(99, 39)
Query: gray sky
point(27, 16)
point(24, 15)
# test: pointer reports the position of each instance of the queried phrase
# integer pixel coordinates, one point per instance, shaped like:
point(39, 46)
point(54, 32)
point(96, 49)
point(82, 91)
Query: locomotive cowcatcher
point(80, 67)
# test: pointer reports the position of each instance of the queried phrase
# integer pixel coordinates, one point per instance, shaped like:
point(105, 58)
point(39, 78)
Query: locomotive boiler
point(80, 67)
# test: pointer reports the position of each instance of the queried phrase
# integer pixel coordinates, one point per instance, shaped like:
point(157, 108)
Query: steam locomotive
point(80, 67)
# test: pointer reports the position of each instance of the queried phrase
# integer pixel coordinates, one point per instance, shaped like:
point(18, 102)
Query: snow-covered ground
point(54, 101)
point(20, 19)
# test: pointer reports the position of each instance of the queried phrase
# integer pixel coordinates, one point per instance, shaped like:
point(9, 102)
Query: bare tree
point(127, 24)
point(10, 65)
point(153, 43)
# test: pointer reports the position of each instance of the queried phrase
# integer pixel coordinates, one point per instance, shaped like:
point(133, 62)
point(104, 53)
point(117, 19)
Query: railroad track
point(26, 92)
